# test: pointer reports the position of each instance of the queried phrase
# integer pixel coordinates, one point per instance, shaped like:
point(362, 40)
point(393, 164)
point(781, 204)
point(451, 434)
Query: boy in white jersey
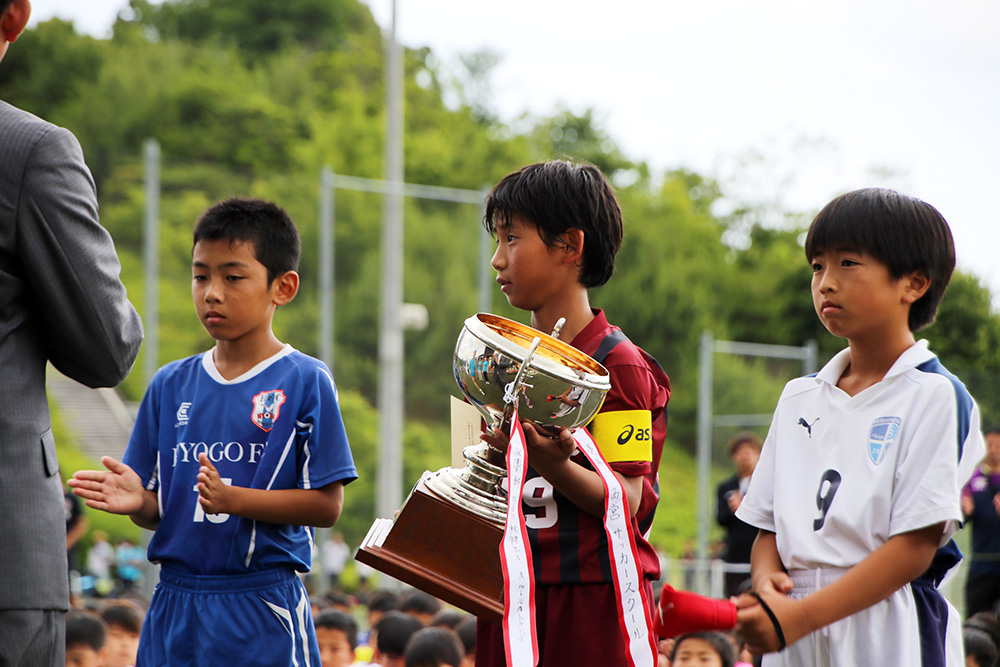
point(856, 494)
point(235, 453)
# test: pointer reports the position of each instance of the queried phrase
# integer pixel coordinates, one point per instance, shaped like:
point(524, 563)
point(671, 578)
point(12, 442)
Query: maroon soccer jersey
point(569, 545)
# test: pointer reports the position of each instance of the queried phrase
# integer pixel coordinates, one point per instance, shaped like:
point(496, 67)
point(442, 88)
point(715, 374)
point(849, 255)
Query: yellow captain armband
point(625, 435)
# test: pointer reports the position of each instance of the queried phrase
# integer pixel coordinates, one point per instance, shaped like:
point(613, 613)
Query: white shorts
point(915, 626)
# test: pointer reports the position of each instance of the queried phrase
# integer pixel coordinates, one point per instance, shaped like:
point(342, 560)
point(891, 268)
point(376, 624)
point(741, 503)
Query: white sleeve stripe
point(253, 544)
point(281, 461)
point(333, 384)
point(154, 479)
point(306, 484)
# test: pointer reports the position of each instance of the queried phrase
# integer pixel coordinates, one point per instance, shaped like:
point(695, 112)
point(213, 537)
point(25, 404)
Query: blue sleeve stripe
point(963, 400)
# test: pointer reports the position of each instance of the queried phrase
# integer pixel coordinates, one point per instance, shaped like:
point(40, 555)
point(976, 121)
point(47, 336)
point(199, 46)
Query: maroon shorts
point(577, 625)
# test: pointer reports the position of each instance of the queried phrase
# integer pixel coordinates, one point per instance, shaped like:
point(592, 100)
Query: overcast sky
point(881, 92)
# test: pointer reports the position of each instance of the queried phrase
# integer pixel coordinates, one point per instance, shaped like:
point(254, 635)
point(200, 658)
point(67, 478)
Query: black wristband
point(774, 620)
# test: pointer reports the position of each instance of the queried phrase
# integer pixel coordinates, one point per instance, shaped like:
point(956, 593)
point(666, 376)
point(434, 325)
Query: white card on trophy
point(466, 425)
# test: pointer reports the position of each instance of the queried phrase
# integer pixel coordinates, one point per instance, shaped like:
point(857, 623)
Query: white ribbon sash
point(519, 630)
point(624, 559)
point(520, 637)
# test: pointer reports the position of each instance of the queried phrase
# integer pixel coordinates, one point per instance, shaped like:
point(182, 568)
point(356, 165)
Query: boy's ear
point(915, 285)
point(15, 19)
point(286, 286)
point(573, 240)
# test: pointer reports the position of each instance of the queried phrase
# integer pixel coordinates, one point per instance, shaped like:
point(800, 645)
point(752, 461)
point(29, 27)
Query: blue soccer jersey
point(277, 426)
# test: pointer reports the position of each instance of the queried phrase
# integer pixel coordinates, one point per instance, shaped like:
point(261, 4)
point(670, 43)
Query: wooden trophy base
point(442, 549)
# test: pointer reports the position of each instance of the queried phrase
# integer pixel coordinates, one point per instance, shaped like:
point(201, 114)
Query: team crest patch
point(881, 435)
point(267, 407)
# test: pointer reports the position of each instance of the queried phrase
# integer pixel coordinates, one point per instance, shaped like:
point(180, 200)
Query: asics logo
point(629, 431)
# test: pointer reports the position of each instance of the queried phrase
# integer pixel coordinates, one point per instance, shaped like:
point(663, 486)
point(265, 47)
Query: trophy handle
point(510, 395)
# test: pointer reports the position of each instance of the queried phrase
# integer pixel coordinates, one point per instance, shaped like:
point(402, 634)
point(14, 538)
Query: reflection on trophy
point(445, 539)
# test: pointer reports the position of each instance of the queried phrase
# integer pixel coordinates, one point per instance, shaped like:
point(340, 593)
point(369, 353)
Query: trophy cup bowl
point(445, 539)
point(556, 387)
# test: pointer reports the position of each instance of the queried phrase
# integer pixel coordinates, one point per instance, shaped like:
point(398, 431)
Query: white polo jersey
point(839, 475)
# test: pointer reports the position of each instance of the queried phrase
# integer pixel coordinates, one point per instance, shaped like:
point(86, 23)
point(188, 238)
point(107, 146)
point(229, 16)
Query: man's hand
point(117, 490)
point(733, 499)
point(213, 493)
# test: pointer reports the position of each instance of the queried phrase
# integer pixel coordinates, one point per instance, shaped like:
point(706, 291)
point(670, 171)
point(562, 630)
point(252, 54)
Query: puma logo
point(807, 425)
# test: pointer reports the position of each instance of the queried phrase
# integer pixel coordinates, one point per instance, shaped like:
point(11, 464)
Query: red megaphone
point(680, 612)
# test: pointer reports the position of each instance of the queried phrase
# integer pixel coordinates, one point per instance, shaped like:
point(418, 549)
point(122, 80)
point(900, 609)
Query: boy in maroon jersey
point(558, 228)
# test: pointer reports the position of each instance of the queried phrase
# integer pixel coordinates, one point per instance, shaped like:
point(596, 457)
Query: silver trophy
point(499, 362)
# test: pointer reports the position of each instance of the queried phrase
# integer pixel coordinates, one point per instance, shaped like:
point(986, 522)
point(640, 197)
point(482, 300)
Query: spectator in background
point(76, 527)
point(421, 605)
point(335, 553)
point(981, 507)
point(434, 647)
point(379, 603)
point(744, 451)
point(85, 637)
point(337, 635)
point(100, 559)
point(130, 560)
point(61, 301)
point(123, 619)
point(466, 632)
point(392, 633)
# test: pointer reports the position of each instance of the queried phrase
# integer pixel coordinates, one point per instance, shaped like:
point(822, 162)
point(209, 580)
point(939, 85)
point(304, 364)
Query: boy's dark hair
point(987, 622)
point(979, 646)
point(418, 602)
point(447, 618)
point(261, 223)
point(338, 620)
point(383, 601)
point(125, 614)
point(393, 631)
point(434, 647)
point(904, 233)
point(4, 4)
point(557, 196)
point(338, 599)
point(991, 430)
point(84, 628)
point(466, 632)
point(718, 641)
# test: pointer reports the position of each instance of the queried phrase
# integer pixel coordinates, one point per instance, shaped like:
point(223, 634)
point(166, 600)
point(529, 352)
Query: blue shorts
point(260, 618)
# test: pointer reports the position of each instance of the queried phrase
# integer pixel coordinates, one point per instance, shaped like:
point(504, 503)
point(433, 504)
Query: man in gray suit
point(61, 299)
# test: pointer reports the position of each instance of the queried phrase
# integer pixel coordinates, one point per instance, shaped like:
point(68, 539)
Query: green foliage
point(966, 337)
point(257, 27)
point(255, 98)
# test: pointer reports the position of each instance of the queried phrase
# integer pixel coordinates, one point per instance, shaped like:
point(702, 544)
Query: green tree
point(257, 27)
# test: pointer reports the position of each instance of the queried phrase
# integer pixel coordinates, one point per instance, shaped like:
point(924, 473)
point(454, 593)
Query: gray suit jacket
point(61, 299)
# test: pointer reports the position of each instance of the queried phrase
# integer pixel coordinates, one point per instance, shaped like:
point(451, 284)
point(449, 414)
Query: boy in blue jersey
point(856, 494)
point(235, 454)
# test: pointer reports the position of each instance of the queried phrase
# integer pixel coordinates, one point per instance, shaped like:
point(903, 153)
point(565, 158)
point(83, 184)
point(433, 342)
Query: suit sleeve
point(91, 331)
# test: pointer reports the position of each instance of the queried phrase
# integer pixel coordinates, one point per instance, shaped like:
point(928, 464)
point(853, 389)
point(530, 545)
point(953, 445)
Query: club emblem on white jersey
point(881, 435)
point(267, 407)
